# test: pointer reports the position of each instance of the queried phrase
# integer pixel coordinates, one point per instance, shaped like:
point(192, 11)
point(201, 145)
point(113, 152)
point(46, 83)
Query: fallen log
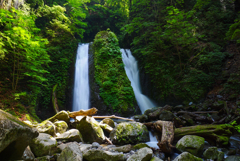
point(112, 117)
point(166, 130)
point(89, 112)
point(214, 134)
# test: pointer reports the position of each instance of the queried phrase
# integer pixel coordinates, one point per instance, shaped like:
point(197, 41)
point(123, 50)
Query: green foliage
point(115, 88)
point(234, 31)
point(236, 126)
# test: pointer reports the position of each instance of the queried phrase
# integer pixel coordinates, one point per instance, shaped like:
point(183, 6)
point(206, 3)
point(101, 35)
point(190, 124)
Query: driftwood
point(89, 112)
point(108, 141)
point(166, 130)
point(112, 117)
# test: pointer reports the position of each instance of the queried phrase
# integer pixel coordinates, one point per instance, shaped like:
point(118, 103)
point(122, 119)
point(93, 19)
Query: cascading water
point(81, 82)
point(144, 102)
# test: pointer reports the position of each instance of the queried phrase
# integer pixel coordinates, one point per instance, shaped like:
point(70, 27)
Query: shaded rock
point(85, 147)
point(166, 115)
point(129, 133)
point(191, 143)
point(43, 145)
point(144, 154)
point(28, 155)
point(213, 153)
point(178, 108)
point(233, 158)
point(108, 121)
point(188, 119)
point(185, 156)
point(100, 155)
point(46, 127)
point(61, 126)
point(71, 152)
point(70, 135)
point(61, 116)
point(15, 136)
point(44, 158)
point(156, 159)
point(124, 148)
point(148, 111)
point(95, 145)
point(140, 145)
point(90, 130)
point(141, 118)
point(218, 105)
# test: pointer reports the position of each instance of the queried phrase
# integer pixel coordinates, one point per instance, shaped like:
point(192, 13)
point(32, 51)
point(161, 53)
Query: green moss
point(115, 88)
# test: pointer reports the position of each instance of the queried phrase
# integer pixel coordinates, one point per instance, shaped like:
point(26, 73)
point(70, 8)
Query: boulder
point(100, 155)
point(141, 118)
point(140, 145)
point(191, 143)
point(185, 156)
point(43, 145)
point(85, 147)
point(71, 152)
point(129, 133)
point(70, 135)
point(233, 158)
point(15, 136)
point(106, 127)
point(28, 155)
point(148, 111)
point(46, 127)
point(90, 130)
point(61, 116)
point(108, 121)
point(156, 159)
point(144, 154)
point(44, 158)
point(213, 153)
point(124, 148)
point(166, 115)
point(61, 126)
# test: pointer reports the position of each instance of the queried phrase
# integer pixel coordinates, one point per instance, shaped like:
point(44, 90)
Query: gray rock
point(28, 155)
point(233, 158)
point(156, 159)
point(46, 127)
point(129, 133)
point(90, 130)
point(71, 135)
point(43, 145)
point(144, 154)
point(100, 155)
point(85, 147)
point(140, 118)
point(191, 143)
point(213, 153)
point(15, 136)
point(166, 116)
point(148, 111)
point(106, 127)
point(71, 152)
point(61, 126)
point(44, 158)
point(95, 145)
point(124, 148)
point(185, 156)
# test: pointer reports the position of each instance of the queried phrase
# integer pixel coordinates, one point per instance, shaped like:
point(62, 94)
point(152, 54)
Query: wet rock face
point(129, 133)
point(191, 143)
point(14, 136)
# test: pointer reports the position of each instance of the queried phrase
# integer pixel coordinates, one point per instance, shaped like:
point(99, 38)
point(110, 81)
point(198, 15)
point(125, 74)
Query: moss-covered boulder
point(144, 154)
point(46, 127)
point(61, 116)
point(185, 156)
point(61, 126)
point(124, 148)
point(156, 159)
point(140, 145)
point(43, 145)
point(213, 153)
point(166, 115)
point(90, 130)
point(106, 128)
point(71, 135)
point(71, 152)
point(141, 118)
point(100, 155)
point(108, 121)
point(14, 136)
point(233, 158)
point(129, 133)
point(191, 143)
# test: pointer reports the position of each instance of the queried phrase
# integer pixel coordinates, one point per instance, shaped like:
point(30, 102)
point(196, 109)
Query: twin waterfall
point(81, 80)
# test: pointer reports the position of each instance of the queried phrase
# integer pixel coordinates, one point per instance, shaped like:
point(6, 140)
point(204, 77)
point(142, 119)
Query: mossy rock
point(109, 122)
point(46, 127)
point(129, 133)
point(213, 153)
point(185, 156)
point(61, 126)
point(144, 154)
point(191, 143)
point(100, 155)
point(62, 115)
point(70, 136)
point(140, 145)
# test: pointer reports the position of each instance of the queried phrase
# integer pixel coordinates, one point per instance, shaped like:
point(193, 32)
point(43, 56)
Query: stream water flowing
point(81, 80)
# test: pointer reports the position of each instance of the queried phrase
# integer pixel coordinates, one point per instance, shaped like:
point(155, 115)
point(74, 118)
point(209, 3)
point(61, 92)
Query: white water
point(132, 72)
point(144, 102)
point(81, 82)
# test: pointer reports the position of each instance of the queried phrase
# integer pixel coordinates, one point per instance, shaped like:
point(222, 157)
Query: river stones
point(129, 133)
point(191, 143)
point(15, 136)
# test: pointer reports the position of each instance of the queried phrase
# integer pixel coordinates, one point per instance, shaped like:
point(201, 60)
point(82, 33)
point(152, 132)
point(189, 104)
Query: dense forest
point(186, 49)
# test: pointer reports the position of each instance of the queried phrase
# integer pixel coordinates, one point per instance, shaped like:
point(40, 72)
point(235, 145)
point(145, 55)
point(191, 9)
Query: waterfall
point(132, 72)
point(81, 82)
point(131, 68)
